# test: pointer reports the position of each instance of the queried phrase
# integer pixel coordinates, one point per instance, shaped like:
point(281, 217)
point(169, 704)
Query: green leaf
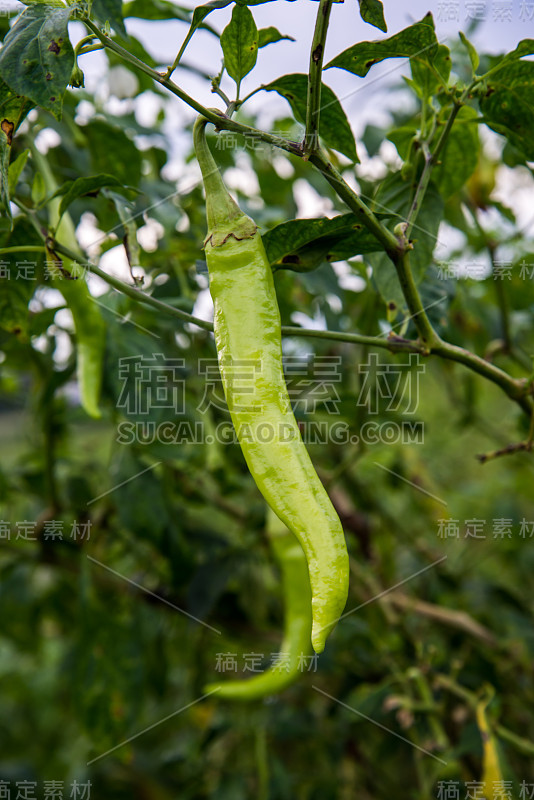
point(37, 58)
point(459, 158)
point(334, 126)
point(84, 186)
point(270, 36)
point(372, 11)
point(303, 244)
point(239, 42)
point(508, 105)
point(125, 210)
point(156, 9)
point(113, 152)
point(13, 109)
point(402, 138)
point(372, 138)
point(15, 170)
point(110, 11)
point(524, 48)
point(17, 281)
point(393, 196)
point(53, 3)
point(473, 55)
point(417, 42)
point(14, 314)
point(201, 12)
point(429, 77)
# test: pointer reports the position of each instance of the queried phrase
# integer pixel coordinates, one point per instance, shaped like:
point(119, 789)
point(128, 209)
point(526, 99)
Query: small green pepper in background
point(89, 325)
point(295, 648)
point(247, 333)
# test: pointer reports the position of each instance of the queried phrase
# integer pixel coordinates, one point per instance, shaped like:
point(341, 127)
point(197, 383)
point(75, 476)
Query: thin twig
point(431, 159)
point(447, 616)
point(313, 106)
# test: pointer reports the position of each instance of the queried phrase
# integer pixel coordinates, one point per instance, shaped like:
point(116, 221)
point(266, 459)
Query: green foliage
point(372, 11)
point(417, 42)
point(36, 59)
point(460, 155)
point(271, 35)
point(110, 631)
point(508, 104)
point(393, 196)
point(110, 12)
point(239, 42)
point(304, 244)
point(334, 127)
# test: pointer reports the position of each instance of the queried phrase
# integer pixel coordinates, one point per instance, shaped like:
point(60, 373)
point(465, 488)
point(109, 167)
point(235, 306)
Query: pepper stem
point(225, 218)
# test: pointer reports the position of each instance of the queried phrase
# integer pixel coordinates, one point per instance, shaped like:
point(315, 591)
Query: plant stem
point(212, 115)
point(510, 449)
point(413, 300)
point(440, 737)
point(313, 106)
point(262, 762)
point(222, 122)
point(90, 48)
point(447, 616)
point(23, 248)
point(516, 388)
point(471, 699)
point(389, 241)
point(393, 344)
point(523, 745)
point(181, 51)
point(431, 159)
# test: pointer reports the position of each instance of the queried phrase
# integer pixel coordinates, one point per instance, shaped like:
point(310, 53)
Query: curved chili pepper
point(248, 340)
point(89, 325)
point(295, 647)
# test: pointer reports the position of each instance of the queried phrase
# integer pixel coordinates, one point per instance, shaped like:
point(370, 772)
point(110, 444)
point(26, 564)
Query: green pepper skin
point(89, 325)
point(295, 647)
point(248, 338)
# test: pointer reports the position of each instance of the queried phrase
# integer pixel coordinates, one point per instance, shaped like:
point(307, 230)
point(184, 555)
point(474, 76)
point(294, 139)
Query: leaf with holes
point(13, 109)
point(87, 186)
point(416, 42)
point(37, 58)
point(304, 244)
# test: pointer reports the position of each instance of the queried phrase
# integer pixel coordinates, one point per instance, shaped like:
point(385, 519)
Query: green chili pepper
point(295, 648)
point(248, 339)
point(89, 326)
point(492, 775)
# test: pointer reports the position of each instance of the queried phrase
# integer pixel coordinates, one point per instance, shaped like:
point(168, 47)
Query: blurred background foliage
point(95, 565)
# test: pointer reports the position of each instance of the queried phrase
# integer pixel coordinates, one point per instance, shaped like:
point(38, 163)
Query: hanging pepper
point(89, 327)
point(248, 340)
